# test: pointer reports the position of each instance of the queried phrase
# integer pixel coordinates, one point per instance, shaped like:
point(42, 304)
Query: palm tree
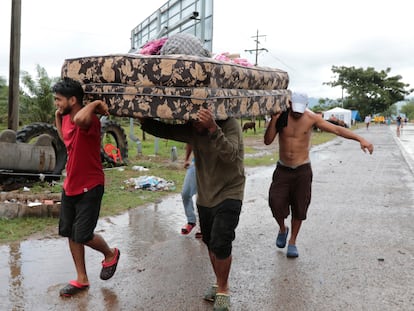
point(36, 101)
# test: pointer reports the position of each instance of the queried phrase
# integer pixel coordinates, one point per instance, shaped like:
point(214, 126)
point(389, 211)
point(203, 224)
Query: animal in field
point(249, 125)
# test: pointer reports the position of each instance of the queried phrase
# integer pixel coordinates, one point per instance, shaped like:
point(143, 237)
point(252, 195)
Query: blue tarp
point(355, 115)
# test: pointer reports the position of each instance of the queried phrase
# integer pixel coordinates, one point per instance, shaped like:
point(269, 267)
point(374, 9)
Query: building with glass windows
point(176, 16)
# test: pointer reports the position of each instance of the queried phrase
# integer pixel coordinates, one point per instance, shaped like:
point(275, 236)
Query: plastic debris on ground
point(139, 168)
point(151, 183)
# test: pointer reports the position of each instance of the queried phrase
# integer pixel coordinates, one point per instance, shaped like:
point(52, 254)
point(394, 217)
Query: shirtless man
point(290, 190)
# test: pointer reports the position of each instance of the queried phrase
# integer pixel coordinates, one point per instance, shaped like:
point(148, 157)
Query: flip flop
point(109, 268)
point(281, 238)
point(73, 288)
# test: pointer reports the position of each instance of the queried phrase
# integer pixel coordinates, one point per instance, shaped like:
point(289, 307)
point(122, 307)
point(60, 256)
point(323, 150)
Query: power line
point(281, 61)
point(257, 50)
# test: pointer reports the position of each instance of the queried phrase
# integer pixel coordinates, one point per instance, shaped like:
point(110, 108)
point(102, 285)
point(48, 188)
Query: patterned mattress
point(175, 86)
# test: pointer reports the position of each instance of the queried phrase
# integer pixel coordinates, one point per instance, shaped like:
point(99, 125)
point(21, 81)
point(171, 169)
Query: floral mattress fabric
point(175, 86)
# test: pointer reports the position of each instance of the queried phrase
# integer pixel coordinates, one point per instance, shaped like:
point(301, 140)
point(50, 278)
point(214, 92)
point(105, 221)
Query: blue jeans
point(189, 190)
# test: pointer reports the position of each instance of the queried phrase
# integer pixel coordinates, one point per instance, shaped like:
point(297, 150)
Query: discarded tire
point(31, 131)
point(113, 133)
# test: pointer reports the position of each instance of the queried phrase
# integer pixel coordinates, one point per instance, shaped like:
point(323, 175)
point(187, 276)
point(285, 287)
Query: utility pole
point(13, 121)
point(257, 50)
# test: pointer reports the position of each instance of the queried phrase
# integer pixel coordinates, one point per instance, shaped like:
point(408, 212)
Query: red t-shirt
point(83, 167)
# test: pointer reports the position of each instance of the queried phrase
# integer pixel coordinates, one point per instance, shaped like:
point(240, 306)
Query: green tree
point(325, 104)
point(36, 102)
point(408, 110)
point(4, 91)
point(369, 91)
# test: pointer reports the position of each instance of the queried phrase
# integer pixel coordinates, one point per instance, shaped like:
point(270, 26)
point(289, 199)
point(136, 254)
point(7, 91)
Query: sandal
point(281, 238)
point(222, 302)
point(109, 268)
point(187, 228)
point(210, 294)
point(73, 288)
point(292, 251)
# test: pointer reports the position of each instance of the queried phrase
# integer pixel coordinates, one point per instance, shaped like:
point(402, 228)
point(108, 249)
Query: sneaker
point(210, 294)
point(222, 302)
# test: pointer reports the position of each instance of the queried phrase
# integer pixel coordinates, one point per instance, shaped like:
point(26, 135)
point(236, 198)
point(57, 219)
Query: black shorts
point(291, 187)
point(218, 225)
point(79, 214)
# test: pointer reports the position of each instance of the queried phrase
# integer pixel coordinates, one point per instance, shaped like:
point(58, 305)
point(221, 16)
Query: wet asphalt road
point(356, 248)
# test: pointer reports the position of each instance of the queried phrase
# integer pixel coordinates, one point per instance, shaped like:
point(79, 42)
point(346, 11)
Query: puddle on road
point(39, 266)
point(32, 272)
point(35, 268)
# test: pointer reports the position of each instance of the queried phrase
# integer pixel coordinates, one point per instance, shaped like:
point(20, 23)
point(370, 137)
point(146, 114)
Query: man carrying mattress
point(219, 153)
point(290, 190)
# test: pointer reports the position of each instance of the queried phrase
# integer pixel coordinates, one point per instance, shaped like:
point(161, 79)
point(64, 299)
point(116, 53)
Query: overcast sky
point(303, 37)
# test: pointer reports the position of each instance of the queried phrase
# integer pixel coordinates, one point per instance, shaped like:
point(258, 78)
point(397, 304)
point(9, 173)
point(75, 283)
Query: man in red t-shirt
point(83, 187)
